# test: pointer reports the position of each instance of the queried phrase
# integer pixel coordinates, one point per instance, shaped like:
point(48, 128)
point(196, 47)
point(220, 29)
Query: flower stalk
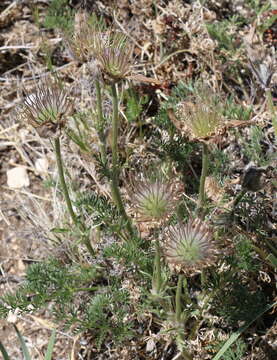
point(157, 273)
point(178, 305)
point(204, 172)
point(72, 214)
point(100, 122)
point(115, 166)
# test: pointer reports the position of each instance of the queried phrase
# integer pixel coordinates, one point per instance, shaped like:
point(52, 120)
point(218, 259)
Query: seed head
point(46, 108)
point(155, 201)
point(109, 48)
point(201, 117)
point(189, 246)
point(114, 56)
point(87, 35)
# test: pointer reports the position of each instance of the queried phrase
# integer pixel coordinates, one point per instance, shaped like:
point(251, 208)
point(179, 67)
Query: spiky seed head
point(189, 246)
point(46, 108)
point(201, 117)
point(110, 48)
point(114, 56)
point(88, 33)
point(155, 201)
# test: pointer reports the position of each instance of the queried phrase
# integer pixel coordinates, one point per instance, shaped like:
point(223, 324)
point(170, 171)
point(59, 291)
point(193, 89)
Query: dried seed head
point(201, 117)
point(114, 56)
point(110, 48)
point(88, 33)
point(46, 108)
point(189, 246)
point(155, 201)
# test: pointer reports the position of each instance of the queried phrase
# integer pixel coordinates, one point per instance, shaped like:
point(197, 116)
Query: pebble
point(17, 177)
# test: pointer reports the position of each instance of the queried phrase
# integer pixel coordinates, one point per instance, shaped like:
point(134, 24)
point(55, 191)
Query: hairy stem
point(157, 276)
point(115, 166)
point(204, 172)
point(73, 216)
point(178, 310)
point(62, 181)
point(100, 122)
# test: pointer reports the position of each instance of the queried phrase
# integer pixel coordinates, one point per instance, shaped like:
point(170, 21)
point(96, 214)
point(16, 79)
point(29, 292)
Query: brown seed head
point(88, 33)
point(46, 108)
point(114, 56)
point(110, 48)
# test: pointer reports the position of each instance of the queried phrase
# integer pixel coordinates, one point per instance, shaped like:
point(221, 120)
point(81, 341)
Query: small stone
point(150, 346)
point(42, 165)
point(17, 177)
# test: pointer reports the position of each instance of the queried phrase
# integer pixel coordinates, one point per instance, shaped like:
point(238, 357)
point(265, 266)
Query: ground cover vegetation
point(159, 232)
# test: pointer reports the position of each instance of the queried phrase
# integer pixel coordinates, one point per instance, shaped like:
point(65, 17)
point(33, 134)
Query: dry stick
point(73, 216)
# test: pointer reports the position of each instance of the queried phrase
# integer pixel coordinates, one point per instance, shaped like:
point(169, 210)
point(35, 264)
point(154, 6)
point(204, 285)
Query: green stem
point(73, 216)
point(62, 181)
point(100, 122)
point(157, 276)
point(178, 310)
point(204, 172)
point(115, 167)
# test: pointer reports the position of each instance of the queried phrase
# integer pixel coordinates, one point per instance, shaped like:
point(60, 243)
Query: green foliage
point(253, 149)
point(59, 16)
point(235, 111)
point(135, 252)
point(95, 300)
point(220, 32)
point(179, 93)
point(105, 316)
point(100, 209)
point(238, 302)
point(244, 257)
point(258, 6)
point(57, 284)
point(134, 104)
point(236, 351)
point(49, 281)
point(219, 163)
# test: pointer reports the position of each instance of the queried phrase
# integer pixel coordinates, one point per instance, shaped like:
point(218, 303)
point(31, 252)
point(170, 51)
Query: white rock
point(150, 346)
point(42, 165)
point(17, 177)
